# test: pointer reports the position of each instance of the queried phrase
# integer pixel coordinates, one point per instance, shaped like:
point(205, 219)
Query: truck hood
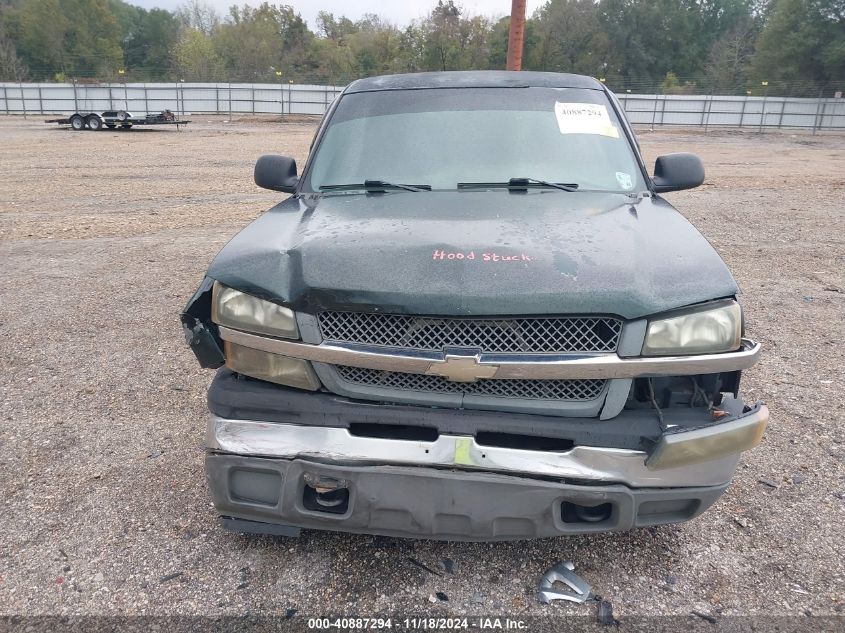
point(475, 253)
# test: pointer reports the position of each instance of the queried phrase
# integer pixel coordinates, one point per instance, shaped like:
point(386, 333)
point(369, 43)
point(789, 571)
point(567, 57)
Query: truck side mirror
point(674, 172)
point(276, 173)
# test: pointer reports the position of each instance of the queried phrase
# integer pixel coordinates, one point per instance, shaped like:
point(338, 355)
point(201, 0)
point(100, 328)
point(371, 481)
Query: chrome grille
point(578, 390)
point(538, 335)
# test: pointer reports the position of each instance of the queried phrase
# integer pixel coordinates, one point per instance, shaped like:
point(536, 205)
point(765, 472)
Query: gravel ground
point(103, 237)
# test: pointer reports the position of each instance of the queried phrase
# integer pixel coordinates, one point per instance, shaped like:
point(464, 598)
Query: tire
point(111, 126)
point(126, 125)
point(122, 116)
point(77, 122)
point(94, 122)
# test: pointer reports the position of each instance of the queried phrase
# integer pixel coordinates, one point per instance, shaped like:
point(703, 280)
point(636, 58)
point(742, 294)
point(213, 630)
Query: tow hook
point(325, 494)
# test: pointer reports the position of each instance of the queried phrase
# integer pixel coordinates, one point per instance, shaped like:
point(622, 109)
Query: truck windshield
point(441, 137)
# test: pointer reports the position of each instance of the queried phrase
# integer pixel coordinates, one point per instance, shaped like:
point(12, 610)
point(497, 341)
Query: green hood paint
point(480, 253)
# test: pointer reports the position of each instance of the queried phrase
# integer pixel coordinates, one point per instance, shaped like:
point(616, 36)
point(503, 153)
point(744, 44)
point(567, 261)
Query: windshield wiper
point(519, 184)
point(375, 185)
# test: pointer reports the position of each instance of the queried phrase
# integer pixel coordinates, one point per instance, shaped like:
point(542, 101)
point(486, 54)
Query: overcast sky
point(399, 12)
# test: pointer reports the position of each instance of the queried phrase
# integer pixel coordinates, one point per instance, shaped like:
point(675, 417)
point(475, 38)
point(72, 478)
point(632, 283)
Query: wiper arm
point(522, 183)
point(519, 184)
point(375, 185)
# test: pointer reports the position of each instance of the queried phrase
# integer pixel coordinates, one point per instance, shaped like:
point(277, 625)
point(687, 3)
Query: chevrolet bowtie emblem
point(462, 369)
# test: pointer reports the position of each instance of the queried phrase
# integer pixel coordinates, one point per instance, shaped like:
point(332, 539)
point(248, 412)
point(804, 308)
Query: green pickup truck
point(474, 317)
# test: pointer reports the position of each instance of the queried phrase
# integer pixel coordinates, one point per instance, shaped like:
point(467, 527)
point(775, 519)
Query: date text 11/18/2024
point(417, 623)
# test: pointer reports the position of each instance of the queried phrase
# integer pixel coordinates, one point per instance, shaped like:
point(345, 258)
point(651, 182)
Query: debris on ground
point(604, 615)
point(576, 588)
point(705, 617)
point(423, 566)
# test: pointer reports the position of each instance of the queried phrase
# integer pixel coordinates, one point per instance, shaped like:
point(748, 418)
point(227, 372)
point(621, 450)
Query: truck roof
point(473, 79)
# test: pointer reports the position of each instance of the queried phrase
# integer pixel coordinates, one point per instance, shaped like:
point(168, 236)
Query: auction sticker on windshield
point(584, 118)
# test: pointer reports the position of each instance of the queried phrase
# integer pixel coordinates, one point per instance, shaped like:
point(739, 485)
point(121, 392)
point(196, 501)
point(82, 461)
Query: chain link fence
point(761, 111)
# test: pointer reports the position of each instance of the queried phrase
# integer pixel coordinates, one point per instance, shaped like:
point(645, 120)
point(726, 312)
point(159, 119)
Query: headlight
point(241, 311)
point(282, 370)
point(703, 332)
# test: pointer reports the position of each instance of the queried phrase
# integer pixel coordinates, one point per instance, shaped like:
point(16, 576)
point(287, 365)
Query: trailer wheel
point(122, 115)
point(77, 122)
point(94, 122)
point(126, 125)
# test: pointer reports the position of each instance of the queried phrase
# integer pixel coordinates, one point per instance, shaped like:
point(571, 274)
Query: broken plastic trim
point(200, 334)
point(579, 590)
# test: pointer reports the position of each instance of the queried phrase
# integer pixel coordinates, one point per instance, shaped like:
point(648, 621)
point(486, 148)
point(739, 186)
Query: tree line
point(674, 46)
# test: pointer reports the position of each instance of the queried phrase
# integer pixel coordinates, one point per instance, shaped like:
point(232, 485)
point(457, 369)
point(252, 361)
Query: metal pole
point(763, 108)
point(111, 105)
point(75, 105)
point(146, 102)
point(742, 112)
point(818, 107)
point(216, 99)
point(654, 113)
point(40, 101)
point(516, 35)
point(253, 98)
point(23, 99)
point(230, 100)
point(6, 99)
point(662, 109)
point(783, 108)
point(821, 118)
point(709, 108)
point(125, 95)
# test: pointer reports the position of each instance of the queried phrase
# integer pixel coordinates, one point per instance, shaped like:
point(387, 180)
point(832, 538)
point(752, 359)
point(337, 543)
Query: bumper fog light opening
point(325, 494)
point(576, 513)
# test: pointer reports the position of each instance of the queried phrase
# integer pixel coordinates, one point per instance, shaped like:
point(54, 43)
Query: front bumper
point(423, 502)
point(450, 485)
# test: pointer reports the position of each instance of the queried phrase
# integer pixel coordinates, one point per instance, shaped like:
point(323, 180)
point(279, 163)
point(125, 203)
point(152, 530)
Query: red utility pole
point(516, 35)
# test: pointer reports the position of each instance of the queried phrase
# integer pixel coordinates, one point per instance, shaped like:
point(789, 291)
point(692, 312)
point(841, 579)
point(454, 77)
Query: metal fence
point(759, 112)
point(181, 98)
point(705, 111)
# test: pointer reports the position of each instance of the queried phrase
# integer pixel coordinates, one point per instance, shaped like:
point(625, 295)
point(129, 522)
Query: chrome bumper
point(503, 366)
point(703, 457)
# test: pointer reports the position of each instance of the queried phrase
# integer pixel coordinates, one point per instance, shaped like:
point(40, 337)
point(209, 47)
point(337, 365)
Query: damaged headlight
point(283, 370)
point(698, 332)
point(235, 309)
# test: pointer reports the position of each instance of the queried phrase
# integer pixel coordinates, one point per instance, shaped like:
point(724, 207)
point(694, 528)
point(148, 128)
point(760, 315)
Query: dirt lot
point(103, 237)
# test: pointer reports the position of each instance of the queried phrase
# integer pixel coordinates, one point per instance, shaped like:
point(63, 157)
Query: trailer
point(113, 119)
